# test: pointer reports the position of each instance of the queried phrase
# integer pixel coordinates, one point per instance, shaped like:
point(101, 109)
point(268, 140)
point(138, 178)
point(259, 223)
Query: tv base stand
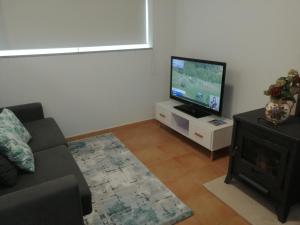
point(200, 130)
point(197, 113)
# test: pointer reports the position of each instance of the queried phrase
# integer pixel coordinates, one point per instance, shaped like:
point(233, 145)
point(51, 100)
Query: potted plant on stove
point(282, 97)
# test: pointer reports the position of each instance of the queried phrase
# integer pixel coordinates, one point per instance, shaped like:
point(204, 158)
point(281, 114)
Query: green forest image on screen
point(197, 82)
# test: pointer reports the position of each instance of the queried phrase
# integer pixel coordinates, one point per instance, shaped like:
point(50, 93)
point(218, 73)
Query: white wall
point(258, 39)
point(86, 92)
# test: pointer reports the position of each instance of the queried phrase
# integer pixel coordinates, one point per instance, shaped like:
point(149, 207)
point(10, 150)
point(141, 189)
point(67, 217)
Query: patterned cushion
point(8, 172)
point(16, 150)
point(10, 122)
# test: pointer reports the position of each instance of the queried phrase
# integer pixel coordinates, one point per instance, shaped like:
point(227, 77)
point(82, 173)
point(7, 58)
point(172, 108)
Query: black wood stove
point(267, 158)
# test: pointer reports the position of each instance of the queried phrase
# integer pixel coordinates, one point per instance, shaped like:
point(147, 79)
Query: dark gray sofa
point(56, 193)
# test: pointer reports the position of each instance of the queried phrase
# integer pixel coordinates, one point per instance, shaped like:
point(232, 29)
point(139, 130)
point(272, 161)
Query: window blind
point(43, 24)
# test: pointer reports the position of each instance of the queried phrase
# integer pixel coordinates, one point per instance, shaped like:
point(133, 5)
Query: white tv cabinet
point(199, 130)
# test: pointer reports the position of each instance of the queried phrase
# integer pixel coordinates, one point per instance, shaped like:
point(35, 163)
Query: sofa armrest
point(51, 203)
point(28, 112)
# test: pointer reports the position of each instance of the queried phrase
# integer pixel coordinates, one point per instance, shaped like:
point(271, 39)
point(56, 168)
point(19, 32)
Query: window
point(34, 27)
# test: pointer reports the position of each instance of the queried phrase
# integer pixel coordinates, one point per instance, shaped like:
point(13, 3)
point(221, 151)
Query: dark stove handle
point(234, 150)
point(253, 170)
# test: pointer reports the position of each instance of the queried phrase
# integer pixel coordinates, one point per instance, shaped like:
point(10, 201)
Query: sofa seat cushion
point(45, 134)
point(52, 164)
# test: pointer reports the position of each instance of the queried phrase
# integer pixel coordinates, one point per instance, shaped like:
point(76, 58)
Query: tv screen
point(198, 82)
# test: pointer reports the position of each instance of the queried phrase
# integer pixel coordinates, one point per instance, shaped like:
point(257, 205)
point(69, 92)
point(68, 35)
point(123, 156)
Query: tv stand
point(200, 130)
point(191, 110)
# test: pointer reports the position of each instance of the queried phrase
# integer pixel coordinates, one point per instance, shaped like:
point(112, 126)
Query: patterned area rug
point(124, 192)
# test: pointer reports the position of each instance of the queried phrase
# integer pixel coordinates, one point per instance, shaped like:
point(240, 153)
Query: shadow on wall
point(228, 101)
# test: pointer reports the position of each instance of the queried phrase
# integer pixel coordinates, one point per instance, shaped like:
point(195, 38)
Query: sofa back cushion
point(27, 112)
point(8, 172)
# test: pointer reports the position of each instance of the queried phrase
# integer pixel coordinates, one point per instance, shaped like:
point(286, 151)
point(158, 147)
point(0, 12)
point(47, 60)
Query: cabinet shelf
point(197, 129)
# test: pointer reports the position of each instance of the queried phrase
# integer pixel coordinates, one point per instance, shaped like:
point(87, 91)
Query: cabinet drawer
point(200, 135)
point(163, 115)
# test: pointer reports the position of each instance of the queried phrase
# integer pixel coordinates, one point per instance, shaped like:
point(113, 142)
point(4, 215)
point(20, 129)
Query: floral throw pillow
point(16, 150)
point(10, 122)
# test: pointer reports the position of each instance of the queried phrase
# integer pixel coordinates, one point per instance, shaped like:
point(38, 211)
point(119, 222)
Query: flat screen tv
point(199, 84)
